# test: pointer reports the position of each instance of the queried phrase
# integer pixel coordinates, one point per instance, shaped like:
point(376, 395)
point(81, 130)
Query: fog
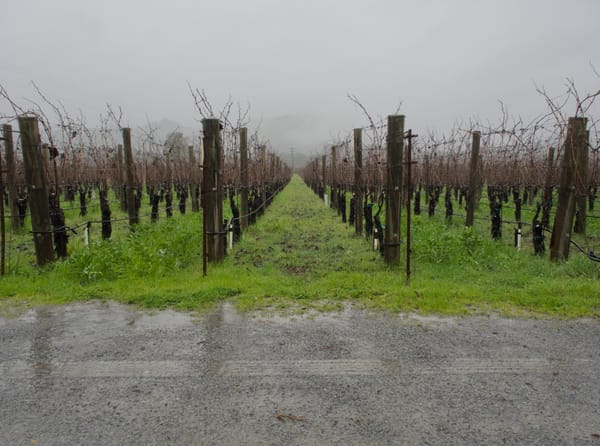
point(295, 63)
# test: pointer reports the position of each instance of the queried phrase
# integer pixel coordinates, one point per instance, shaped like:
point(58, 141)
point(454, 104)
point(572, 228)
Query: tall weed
point(153, 249)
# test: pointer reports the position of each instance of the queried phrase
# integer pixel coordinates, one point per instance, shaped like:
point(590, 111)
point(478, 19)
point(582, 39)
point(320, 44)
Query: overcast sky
point(296, 61)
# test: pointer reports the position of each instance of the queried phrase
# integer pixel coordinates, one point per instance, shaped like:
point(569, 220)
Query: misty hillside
point(283, 133)
point(300, 159)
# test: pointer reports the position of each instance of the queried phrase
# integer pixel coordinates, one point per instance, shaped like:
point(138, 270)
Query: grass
point(299, 256)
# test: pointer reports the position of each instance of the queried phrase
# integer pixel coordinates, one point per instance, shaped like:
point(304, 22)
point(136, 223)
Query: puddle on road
point(42, 349)
point(429, 320)
point(285, 317)
point(110, 340)
point(165, 319)
point(46, 339)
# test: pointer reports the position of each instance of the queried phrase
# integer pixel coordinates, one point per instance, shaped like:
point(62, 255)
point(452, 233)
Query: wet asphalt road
point(105, 374)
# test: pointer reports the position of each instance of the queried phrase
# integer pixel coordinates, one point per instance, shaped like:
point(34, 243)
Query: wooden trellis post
point(129, 178)
point(358, 188)
point(2, 221)
point(11, 175)
point(122, 193)
point(37, 187)
point(244, 177)
point(193, 179)
point(393, 195)
point(212, 191)
point(409, 163)
point(582, 180)
point(333, 178)
point(575, 142)
point(548, 188)
point(324, 175)
point(473, 179)
point(263, 174)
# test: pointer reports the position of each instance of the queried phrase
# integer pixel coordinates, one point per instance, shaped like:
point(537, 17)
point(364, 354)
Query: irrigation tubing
point(263, 204)
point(116, 220)
point(590, 255)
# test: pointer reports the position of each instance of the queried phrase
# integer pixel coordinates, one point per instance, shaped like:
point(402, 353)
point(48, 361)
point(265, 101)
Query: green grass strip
point(299, 257)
